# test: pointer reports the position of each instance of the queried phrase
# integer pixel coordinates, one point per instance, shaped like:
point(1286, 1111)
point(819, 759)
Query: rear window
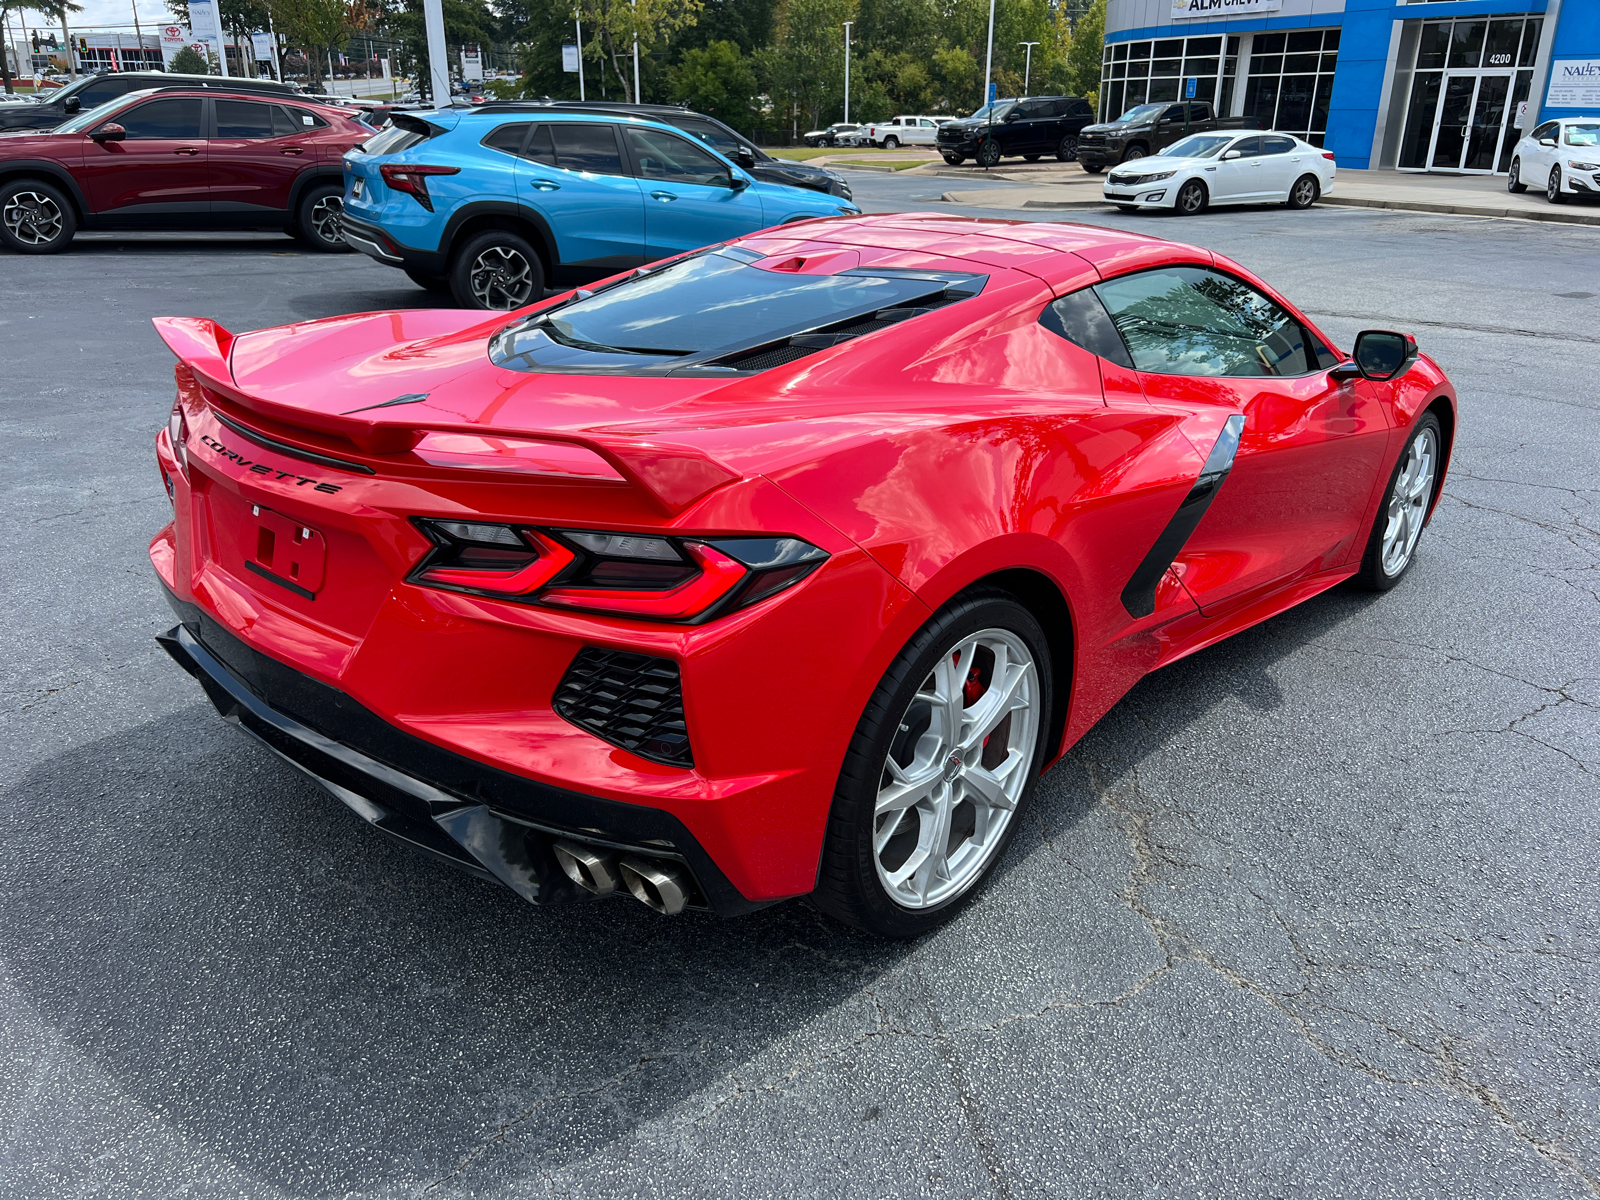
point(716, 312)
point(402, 133)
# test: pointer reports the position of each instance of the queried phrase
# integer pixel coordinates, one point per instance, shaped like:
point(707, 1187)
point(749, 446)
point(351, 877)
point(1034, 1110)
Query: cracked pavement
point(1310, 913)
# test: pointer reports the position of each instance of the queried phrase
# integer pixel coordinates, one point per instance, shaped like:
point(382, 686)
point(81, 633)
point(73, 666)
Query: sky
point(110, 15)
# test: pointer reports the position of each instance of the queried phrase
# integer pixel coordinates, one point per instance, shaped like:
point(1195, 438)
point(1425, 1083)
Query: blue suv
point(494, 202)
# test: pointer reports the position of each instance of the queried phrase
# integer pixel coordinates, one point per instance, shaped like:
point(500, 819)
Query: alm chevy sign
point(1574, 83)
point(1191, 10)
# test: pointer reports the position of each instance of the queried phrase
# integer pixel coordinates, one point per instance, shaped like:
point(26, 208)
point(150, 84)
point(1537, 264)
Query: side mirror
point(737, 181)
point(745, 156)
point(71, 104)
point(1009, 117)
point(1382, 354)
point(1547, 141)
point(1230, 155)
point(110, 132)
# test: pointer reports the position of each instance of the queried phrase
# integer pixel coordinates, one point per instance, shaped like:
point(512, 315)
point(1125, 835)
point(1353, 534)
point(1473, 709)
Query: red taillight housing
point(412, 179)
point(1328, 154)
point(653, 578)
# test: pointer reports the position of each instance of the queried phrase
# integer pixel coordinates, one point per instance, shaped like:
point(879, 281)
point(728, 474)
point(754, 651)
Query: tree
point(717, 81)
point(240, 18)
point(804, 69)
point(465, 21)
point(614, 24)
point(187, 62)
point(748, 24)
point(1084, 56)
point(54, 10)
point(319, 27)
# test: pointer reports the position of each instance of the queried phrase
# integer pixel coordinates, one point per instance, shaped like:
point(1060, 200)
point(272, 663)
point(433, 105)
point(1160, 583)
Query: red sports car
point(205, 159)
point(779, 569)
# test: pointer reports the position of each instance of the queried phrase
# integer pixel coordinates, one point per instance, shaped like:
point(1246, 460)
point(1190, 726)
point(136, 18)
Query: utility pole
point(66, 38)
point(988, 59)
point(1027, 70)
point(581, 96)
point(138, 34)
point(638, 97)
point(438, 62)
point(277, 59)
point(847, 25)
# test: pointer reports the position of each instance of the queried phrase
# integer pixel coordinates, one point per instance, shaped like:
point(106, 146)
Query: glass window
point(1419, 119)
point(1530, 41)
point(1277, 145)
point(714, 135)
point(1501, 48)
point(660, 155)
point(101, 90)
point(1302, 40)
point(1547, 130)
point(1466, 43)
point(174, 120)
point(1268, 43)
point(1081, 319)
point(507, 138)
point(1247, 147)
point(244, 119)
point(307, 119)
point(1290, 76)
point(1433, 45)
point(1198, 145)
point(1170, 46)
point(589, 148)
point(1194, 321)
point(1203, 45)
point(283, 125)
point(541, 148)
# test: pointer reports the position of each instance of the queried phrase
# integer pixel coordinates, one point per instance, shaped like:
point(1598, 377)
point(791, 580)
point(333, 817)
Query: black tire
point(427, 282)
point(1068, 149)
point(1552, 187)
point(1374, 576)
point(1192, 199)
point(891, 142)
point(316, 218)
point(1093, 168)
point(848, 885)
point(496, 252)
point(1305, 192)
point(35, 217)
point(1030, 158)
point(955, 160)
point(1131, 153)
point(1514, 183)
point(988, 153)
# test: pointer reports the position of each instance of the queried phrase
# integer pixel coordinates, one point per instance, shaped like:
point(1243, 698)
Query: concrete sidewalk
point(1058, 185)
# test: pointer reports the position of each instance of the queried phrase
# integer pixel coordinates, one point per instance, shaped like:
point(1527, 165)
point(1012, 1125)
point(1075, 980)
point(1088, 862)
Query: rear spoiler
point(673, 476)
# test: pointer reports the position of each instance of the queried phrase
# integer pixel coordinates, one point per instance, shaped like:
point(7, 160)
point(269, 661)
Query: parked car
point(93, 90)
point(1149, 129)
point(1562, 157)
point(1206, 169)
point(490, 203)
point(831, 135)
point(731, 145)
point(780, 570)
point(1031, 127)
point(901, 131)
point(178, 160)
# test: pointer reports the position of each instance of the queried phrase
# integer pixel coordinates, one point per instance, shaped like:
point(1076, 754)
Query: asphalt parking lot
point(1311, 913)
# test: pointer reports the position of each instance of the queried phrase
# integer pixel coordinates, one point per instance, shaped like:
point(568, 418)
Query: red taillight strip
point(553, 559)
point(412, 178)
point(718, 576)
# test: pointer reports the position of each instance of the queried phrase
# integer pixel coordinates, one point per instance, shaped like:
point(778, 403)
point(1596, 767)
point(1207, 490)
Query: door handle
point(189, 150)
point(664, 195)
point(544, 185)
point(292, 150)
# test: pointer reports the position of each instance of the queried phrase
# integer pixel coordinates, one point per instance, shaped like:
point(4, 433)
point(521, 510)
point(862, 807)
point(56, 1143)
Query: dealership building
point(1442, 86)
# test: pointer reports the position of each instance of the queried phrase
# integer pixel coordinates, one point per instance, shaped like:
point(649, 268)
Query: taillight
point(624, 574)
point(413, 179)
point(1328, 154)
point(178, 436)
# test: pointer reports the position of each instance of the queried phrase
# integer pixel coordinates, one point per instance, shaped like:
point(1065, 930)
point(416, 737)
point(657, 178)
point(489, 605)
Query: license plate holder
point(356, 188)
point(285, 552)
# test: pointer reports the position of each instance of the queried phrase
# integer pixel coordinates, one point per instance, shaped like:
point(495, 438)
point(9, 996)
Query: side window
point(1247, 147)
point(1175, 113)
point(283, 125)
point(306, 119)
point(591, 148)
point(660, 155)
point(1081, 108)
point(1194, 321)
point(507, 138)
point(1060, 108)
point(1547, 130)
point(1083, 321)
point(1276, 145)
point(244, 119)
point(99, 93)
point(162, 119)
point(541, 148)
point(926, 124)
point(715, 136)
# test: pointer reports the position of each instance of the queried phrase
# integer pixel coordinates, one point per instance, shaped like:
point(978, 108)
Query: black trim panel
point(1139, 597)
point(272, 443)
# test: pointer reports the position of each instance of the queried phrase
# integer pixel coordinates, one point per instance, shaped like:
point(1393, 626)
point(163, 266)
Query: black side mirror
point(110, 132)
point(1382, 354)
point(737, 182)
point(71, 104)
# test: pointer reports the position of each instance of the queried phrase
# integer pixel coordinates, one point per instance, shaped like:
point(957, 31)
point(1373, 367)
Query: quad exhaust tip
point(663, 886)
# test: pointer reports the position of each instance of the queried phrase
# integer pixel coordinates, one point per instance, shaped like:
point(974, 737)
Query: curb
point(1559, 216)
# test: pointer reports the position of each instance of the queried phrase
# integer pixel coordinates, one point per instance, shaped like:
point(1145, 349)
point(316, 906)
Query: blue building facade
point(1429, 85)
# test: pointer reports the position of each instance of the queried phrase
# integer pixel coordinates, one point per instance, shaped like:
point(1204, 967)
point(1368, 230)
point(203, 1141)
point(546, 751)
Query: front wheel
point(1514, 182)
point(955, 160)
point(1552, 187)
point(317, 219)
point(1030, 158)
point(989, 153)
point(891, 143)
point(1392, 545)
point(1068, 149)
point(1192, 198)
point(1093, 168)
point(1304, 193)
point(940, 769)
point(35, 218)
point(1131, 153)
point(496, 270)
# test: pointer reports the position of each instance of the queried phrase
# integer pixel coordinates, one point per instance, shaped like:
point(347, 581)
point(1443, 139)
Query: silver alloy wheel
point(1552, 186)
point(1192, 197)
point(1408, 502)
point(941, 813)
point(32, 218)
point(1305, 192)
point(325, 217)
point(501, 278)
point(1515, 176)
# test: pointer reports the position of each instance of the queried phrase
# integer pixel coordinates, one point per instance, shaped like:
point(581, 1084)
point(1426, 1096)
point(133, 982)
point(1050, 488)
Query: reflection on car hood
point(1157, 162)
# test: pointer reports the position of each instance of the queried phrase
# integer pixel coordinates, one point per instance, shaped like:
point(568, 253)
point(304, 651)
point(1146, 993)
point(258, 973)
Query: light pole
point(988, 59)
point(579, 21)
point(637, 98)
point(438, 56)
point(847, 25)
point(1027, 70)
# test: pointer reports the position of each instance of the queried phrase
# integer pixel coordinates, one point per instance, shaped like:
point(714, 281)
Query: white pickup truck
point(902, 131)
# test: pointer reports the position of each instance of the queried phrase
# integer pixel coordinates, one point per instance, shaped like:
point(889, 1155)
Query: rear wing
point(673, 476)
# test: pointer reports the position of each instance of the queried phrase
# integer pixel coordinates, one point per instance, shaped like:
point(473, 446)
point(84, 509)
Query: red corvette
point(779, 569)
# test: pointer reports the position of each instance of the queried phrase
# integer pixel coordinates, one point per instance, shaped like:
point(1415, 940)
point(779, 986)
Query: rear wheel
point(496, 269)
point(1552, 187)
point(989, 153)
point(1514, 182)
point(35, 218)
point(941, 766)
point(1304, 193)
point(891, 142)
point(1192, 198)
point(317, 219)
point(1392, 545)
point(1030, 158)
point(1068, 149)
point(431, 283)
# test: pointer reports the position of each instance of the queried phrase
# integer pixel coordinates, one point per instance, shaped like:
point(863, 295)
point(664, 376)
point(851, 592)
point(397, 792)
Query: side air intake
point(630, 700)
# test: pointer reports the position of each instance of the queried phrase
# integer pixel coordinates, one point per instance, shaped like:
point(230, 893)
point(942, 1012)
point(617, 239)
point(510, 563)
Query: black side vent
point(631, 700)
point(776, 354)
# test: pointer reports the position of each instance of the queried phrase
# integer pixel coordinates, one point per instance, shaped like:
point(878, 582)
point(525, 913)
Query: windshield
point(93, 116)
point(1583, 135)
point(1201, 145)
point(994, 112)
point(1135, 116)
point(714, 307)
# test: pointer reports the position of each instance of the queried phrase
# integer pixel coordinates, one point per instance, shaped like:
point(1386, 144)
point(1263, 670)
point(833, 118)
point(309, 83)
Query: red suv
point(179, 160)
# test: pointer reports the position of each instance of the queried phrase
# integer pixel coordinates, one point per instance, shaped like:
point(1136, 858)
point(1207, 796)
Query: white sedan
point(1562, 157)
point(1247, 167)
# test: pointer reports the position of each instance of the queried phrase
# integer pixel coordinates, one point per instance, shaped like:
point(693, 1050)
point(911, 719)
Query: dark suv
point(91, 90)
point(727, 143)
point(1032, 127)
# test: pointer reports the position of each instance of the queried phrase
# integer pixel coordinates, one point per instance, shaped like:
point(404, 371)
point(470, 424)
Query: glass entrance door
point(1471, 74)
point(1472, 115)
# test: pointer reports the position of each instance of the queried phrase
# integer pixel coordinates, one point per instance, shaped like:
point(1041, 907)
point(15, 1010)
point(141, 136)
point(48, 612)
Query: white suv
point(902, 131)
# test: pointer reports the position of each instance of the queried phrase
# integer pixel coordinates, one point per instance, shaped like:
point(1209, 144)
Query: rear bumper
point(489, 822)
point(377, 245)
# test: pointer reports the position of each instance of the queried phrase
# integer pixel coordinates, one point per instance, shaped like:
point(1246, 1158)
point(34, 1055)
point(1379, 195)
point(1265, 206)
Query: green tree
point(240, 18)
point(718, 81)
point(613, 25)
point(1084, 54)
point(748, 24)
point(318, 27)
point(53, 10)
point(804, 69)
point(187, 62)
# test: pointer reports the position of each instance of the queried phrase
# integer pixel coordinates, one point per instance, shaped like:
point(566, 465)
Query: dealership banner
point(206, 22)
point(1574, 83)
point(1192, 10)
point(261, 46)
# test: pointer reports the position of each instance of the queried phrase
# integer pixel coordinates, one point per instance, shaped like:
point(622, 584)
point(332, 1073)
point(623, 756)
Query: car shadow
point(231, 949)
